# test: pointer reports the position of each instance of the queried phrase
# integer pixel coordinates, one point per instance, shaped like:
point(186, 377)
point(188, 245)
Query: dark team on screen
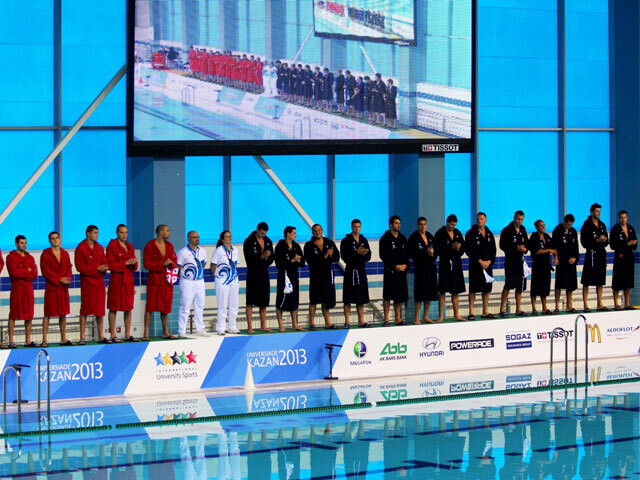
point(432, 280)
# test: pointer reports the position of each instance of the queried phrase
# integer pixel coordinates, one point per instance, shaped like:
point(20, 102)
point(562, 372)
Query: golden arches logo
point(593, 329)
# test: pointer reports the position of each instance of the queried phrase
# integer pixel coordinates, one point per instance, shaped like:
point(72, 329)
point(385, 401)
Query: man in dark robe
point(289, 258)
point(355, 253)
point(542, 255)
point(513, 242)
point(449, 244)
point(594, 238)
point(394, 254)
point(565, 242)
point(480, 245)
point(258, 254)
point(321, 253)
point(623, 242)
point(425, 281)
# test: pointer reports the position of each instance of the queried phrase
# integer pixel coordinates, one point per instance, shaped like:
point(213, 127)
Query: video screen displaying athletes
point(375, 20)
point(255, 71)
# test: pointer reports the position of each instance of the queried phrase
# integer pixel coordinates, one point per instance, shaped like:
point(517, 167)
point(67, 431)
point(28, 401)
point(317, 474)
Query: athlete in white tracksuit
point(224, 266)
point(192, 260)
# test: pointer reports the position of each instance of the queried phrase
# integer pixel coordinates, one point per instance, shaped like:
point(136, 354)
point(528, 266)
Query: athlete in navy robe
point(623, 242)
point(480, 245)
point(425, 281)
point(542, 253)
point(340, 91)
point(258, 254)
point(394, 253)
point(289, 258)
point(565, 242)
point(449, 244)
point(594, 238)
point(355, 252)
point(513, 242)
point(321, 253)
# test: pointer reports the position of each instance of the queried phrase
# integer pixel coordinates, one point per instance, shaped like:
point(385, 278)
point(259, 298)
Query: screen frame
point(146, 148)
point(403, 43)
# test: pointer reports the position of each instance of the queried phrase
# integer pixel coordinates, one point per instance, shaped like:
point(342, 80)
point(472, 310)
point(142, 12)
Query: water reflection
point(595, 438)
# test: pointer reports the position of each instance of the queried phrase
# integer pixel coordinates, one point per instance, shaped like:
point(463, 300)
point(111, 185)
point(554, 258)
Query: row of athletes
point(238, 71)
point(353, 96)
point(448, 244)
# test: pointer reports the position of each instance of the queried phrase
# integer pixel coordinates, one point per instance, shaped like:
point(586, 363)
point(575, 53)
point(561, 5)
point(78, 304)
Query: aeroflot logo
point(471, 344)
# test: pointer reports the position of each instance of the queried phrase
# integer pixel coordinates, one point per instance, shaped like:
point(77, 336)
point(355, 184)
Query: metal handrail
point(566, 355)
point(46, 356)
point(17, 369)
point(586, 348)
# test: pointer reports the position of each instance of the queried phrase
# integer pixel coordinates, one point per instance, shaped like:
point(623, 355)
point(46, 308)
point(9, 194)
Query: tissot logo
point(440, 147)
point(471, 344)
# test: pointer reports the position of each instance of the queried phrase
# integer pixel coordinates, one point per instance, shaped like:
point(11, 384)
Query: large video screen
point(239, 77)
point(390, 21)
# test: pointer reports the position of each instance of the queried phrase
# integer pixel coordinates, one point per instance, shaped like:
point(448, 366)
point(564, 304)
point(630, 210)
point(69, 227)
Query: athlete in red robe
point(92, 265)
point(22, 271)
point(122, 260)
point(158, 255)
point(55, 266)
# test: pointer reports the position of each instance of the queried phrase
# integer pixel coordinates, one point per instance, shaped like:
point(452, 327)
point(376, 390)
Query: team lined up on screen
point(432, 280)
point(364, 98)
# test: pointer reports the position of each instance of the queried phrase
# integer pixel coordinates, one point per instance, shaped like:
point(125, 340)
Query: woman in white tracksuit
point(224, 263)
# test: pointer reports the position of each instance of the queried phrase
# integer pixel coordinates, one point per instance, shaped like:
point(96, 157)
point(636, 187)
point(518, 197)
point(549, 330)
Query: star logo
point(159, 360)
point(183, 359)
point(191, 357)
point(175, 358)
point(167, 359)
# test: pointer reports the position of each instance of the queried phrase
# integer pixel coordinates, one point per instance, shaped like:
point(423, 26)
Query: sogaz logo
point(360, 349)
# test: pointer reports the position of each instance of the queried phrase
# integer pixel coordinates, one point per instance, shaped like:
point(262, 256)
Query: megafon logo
point(175, 359)
point(360, 398)
point(360, 349)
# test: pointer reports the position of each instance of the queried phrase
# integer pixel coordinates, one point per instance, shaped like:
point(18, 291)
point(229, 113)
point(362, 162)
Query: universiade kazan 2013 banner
point(192, 364)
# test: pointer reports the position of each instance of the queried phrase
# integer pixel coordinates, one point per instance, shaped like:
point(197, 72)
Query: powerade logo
point(176, 367)
point(432, 346)
point(393, 352)
point(471, 344)
point(518, 340)
point(471, 386)
point(440, 147)
point(360, 351)
point(620, 333)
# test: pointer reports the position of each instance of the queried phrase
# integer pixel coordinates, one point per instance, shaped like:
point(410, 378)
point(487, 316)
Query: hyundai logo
point(431, 343)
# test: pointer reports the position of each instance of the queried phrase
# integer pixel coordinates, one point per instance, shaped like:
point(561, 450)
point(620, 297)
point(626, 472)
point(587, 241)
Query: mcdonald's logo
point(592, 329)
point(595, 377)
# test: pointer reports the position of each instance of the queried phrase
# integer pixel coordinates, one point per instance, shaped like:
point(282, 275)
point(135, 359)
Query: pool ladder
point(565, 334)
point(17, 368)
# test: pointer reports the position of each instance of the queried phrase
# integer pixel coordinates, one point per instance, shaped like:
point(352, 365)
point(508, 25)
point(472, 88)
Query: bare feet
point(428, 320)
point(267, 330)
point(440, 320)
point(460, 319)
point(250, 331)
point(282, 329)
point(417, 322)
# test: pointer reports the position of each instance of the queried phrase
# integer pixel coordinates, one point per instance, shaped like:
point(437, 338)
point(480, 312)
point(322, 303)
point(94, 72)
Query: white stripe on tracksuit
point(227, 296)
point(191, 292)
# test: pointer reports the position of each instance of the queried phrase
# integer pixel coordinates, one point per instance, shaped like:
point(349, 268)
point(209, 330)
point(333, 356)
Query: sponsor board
point(622, 332)
point(432, 347)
